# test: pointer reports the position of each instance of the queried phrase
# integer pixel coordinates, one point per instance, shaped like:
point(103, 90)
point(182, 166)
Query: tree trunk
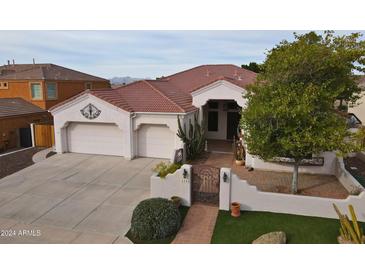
point(294, 182)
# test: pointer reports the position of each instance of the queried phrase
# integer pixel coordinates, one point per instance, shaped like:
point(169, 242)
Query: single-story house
point(140, 119)
point(16, 116)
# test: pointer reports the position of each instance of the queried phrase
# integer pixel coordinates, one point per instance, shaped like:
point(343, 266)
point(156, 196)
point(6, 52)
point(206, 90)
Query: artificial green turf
point(252, 224)
point(183, 211)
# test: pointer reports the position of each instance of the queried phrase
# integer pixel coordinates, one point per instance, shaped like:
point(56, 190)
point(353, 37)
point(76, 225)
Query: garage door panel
point(95, 138)
point(155, 141)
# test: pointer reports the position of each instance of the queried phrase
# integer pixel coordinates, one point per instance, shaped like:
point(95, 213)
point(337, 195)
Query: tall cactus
point(193, 138)
point(350, 232)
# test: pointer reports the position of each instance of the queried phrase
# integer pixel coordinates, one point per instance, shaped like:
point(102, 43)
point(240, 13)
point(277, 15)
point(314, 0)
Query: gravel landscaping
point(16, 161)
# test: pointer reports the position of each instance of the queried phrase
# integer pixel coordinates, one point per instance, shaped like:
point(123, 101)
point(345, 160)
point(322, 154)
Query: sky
point(142, 54)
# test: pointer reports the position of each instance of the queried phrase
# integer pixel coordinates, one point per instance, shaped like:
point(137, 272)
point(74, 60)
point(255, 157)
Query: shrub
point(155, 218)
point(163, 169)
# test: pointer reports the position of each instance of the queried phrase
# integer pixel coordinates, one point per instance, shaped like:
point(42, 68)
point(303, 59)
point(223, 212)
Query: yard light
point(225, 177)
point(185, 174)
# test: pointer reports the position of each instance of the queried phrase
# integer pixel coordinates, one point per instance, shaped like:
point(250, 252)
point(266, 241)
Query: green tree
point(253, 66)
point(290, 110)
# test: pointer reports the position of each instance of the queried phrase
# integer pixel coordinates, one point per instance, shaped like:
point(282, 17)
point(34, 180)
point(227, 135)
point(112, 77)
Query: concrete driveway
point(73, 198)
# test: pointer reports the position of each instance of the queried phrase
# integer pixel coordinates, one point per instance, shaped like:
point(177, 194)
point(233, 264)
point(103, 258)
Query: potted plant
point(176, 200)
point(235, 209)
point(239, 154)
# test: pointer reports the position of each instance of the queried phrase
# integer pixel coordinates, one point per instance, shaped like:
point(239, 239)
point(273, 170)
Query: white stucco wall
point(70, 112)
point(329, 166)
point(345, 178)
point(220, 90)
point(173, 185)
point(250, 198)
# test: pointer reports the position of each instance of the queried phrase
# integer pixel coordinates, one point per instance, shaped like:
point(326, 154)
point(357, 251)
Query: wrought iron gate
point(205, 184)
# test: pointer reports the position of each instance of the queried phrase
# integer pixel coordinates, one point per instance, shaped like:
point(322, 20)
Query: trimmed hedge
point(155, 218)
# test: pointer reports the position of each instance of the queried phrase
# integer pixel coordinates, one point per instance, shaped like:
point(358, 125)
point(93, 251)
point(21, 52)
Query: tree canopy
point(253, 66)
point(290, 110)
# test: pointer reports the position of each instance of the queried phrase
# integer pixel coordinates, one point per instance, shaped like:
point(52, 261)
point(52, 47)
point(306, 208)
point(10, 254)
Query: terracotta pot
point(176, 200)
point(235, 209)
point(240, 162)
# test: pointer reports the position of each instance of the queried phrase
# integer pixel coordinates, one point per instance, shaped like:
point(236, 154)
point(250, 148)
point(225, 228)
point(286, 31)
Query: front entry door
point(233, 120)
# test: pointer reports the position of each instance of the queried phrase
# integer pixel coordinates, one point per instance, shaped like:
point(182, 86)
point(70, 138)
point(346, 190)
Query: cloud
point(137, 53)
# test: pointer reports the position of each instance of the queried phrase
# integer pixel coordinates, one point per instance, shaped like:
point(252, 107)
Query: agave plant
point(193, 137)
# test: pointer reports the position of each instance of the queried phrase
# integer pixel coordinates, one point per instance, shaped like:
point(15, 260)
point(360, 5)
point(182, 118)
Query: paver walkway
point(198, 225)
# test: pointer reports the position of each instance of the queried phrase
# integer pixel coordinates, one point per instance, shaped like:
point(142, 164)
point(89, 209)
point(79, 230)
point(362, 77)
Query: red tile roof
point(195, 78)
point(17, 106)
point(171, 94)
point(44, 71)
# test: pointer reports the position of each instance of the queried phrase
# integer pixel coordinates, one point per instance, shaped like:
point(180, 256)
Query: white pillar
point(128, 139)
point(225, 189)
point(32, 133)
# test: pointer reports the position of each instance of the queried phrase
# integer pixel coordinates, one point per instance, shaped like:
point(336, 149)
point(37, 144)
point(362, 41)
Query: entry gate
point(205, 184)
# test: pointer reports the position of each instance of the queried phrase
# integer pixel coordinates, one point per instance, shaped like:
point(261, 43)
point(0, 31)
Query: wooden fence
point(44, 135)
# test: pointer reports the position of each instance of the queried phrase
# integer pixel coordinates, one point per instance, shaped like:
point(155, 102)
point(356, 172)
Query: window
point(213, 104)
point(88, 86)
point(213, 121)
point(36, 91)
point(3, 85)
point(51, 91)
point(232, 106)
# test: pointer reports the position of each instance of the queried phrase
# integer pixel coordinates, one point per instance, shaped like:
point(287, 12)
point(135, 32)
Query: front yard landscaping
point(16, 161)
point(183, 211)
point(250, 225)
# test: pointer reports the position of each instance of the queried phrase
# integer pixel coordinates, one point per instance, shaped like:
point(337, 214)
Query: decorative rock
point(277, 237)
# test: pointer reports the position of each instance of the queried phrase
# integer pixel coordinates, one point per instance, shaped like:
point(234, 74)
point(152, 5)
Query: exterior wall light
point(185, 174)
point(225, 177)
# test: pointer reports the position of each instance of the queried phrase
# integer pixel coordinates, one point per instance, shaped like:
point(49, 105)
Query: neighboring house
point(45, 85)
point(359, 109)
point(16, 115)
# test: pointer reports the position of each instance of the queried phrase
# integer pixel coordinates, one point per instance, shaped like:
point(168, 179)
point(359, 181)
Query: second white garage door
point(95, 138)
point(155, 141)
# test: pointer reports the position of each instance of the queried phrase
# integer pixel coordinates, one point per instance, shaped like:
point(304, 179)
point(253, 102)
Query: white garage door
point(155, 141)
point(95, 138)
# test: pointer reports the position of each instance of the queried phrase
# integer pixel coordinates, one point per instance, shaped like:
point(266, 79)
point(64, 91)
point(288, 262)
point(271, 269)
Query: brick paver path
point(198, 225)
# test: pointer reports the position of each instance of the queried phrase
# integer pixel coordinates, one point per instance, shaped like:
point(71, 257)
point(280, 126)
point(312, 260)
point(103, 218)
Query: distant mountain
point(119, 81)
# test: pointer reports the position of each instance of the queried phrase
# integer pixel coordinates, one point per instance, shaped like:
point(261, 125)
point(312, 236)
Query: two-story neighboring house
point(45, 85)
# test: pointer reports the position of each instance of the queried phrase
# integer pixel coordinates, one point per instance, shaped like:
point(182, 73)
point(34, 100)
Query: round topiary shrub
point(155, 218)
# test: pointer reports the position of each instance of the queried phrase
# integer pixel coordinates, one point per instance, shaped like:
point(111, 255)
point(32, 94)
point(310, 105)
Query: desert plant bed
point(183, 211)
point(252, 224)
point(356, 167)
